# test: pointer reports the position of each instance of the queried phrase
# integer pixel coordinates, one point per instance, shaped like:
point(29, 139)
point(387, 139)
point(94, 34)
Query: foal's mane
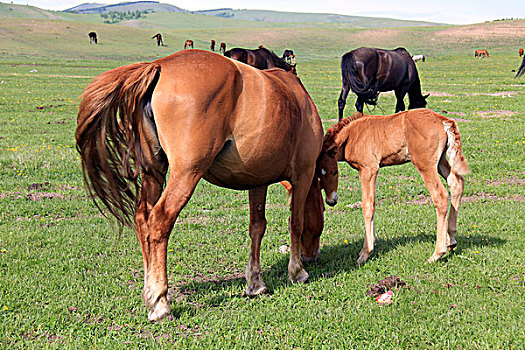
point(333, 131)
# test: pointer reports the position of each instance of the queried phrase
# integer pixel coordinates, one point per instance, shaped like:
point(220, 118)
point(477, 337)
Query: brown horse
point(222, 48)
point(260, 58)
point(158, 36)
point(420, 136)
point(212, 45)
point(239, 128)
point(481, 53)
point(188, 44)
point(521, 52)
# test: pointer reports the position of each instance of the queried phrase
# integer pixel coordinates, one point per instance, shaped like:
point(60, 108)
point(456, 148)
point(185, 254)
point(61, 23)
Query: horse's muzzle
point(332, 200)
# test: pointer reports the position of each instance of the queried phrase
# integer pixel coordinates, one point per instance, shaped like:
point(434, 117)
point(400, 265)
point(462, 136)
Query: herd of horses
point(249, 125)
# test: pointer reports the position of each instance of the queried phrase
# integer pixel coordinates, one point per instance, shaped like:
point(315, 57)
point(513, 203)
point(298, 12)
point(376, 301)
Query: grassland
point(68, 279)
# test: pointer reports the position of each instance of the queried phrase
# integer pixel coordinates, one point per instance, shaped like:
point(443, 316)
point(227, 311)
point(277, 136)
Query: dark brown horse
point(222, 48)
point(188, 44)
point(212, 45)
point(92, 37)
point(521, 70)
point(158, 36)
point(260, 58)
point(368, 71)
point(521, 52)
point(240, 128)
point(289, 57)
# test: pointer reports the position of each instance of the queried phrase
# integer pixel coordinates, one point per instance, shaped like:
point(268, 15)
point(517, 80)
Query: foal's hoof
point(159, 311)
point(362, 259)
point(435, 257)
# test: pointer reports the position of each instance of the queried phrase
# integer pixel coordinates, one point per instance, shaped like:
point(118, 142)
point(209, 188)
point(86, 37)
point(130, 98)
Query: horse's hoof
point(161, 310)
point(252, 291)
point(451, 246)
point(301, 277)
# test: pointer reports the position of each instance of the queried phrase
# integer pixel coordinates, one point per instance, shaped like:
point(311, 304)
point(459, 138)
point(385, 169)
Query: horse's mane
point(333, 131)
point(278, 61)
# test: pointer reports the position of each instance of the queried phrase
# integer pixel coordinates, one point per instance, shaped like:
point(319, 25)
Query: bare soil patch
point(496, 113)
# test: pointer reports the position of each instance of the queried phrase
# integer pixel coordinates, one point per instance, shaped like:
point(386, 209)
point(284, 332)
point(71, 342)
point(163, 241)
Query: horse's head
point(420, 102)
point(327, 170)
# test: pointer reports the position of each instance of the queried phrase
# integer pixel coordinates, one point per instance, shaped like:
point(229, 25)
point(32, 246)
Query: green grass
point(69, 280)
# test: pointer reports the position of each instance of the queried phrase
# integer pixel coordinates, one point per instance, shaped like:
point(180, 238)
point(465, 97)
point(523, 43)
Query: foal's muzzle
point(332, 199)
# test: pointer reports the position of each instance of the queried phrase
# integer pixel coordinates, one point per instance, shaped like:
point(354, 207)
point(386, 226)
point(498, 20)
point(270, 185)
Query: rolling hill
point(149, 6)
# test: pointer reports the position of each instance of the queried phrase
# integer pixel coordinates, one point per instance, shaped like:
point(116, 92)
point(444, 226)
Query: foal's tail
point(457, 160)
point(363, 88)
point(109, 124)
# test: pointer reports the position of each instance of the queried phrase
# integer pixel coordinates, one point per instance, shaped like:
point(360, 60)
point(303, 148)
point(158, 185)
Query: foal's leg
point(456, 183)
point(255, 284)
point(300, 188)
point(440, 199)
point(177, 193)
point(368, 187)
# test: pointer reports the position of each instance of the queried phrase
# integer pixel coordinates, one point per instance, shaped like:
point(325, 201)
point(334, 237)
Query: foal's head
point(327, 171)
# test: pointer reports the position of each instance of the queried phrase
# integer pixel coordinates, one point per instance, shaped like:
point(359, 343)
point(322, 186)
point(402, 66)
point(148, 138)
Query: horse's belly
point(233, 170)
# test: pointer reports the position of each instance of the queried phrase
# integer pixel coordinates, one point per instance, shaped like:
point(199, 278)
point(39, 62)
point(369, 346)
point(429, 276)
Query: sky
point(441, 11)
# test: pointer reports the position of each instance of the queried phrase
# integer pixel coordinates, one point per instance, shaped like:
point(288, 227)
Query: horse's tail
point(363, 89)
point(457, 160)
point(110, 119)
point(521, 70)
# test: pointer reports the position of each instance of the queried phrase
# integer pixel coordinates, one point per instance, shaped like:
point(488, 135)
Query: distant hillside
point(149, 6)
point(298, 17)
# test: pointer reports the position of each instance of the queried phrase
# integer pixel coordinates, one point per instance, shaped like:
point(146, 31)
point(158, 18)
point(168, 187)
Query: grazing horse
point(289, 57)
point(481, 53)
point(521, 70)
point(239, 128)
point(92, 37)
point(158, 36)
point(367, 71)
point(416, 58)
point(260, 58)
point(222, 48)
point(188, 44)
point(212, 45)
point(420, 136)
point(521, 52)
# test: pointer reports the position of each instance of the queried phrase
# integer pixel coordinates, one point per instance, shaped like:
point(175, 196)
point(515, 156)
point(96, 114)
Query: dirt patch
point(481, 197)
point(495, 113)
point(438, 93)
point(503, 29)
point(495, 94)
point(508, 181)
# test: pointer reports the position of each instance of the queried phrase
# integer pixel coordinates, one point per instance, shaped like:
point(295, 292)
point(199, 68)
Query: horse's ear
point(425, 96)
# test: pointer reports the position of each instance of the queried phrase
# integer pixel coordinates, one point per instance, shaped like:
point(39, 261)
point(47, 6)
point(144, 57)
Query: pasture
point(70, 278)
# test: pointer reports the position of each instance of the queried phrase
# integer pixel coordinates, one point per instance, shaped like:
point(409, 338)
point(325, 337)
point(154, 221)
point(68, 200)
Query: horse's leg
point(400, 104)
point(456, 183)
point(255, 284)
point(177, 193)
point(300, 189)
point(368, 187)
point(341, 102)
point(440, 199)
point(359, 104)
point(149, 195)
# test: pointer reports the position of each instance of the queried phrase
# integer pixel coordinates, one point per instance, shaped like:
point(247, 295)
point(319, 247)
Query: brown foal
point(428, 140)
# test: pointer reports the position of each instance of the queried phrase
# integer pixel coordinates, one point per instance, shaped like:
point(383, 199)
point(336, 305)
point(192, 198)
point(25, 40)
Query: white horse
point(416, 58)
